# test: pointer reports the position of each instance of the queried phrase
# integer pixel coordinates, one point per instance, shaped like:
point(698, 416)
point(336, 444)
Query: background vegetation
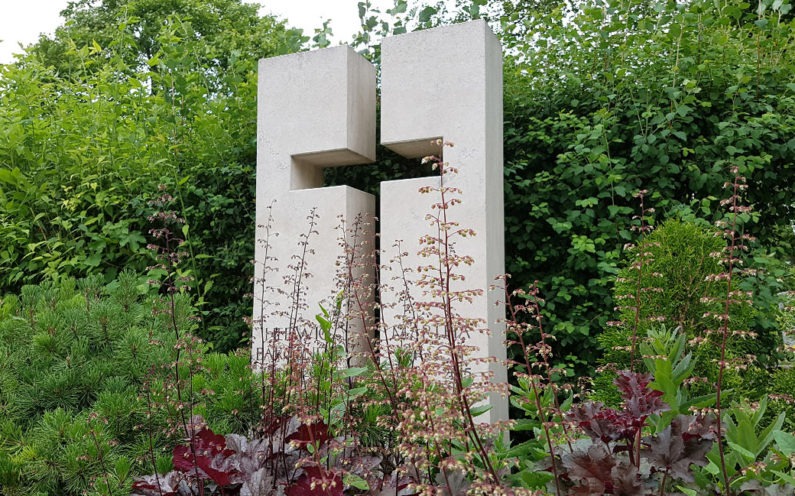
point(602, 98)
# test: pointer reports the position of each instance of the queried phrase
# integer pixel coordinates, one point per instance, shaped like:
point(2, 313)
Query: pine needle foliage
point(75, 360)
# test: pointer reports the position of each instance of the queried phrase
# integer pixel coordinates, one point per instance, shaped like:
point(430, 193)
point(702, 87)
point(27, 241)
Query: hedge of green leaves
point(127, 96)
point(632, 95)
point(614, 96)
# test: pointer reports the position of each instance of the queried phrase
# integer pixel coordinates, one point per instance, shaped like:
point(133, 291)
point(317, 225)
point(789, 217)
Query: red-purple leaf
point(595, 464)
point(316, 482)
point(205, 458)
point(684, 443)
point(316, 434)
point(640, 400)
point(159, 485)
point(604, 424)
point(625, 479)
point(597, 472)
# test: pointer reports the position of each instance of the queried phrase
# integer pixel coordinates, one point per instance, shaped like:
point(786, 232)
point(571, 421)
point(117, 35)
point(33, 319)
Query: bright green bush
point(130, 94)
point(676, 277)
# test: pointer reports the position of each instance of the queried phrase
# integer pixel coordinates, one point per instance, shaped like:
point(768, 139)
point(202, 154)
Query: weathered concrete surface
point(316, 109)
point(447, 83)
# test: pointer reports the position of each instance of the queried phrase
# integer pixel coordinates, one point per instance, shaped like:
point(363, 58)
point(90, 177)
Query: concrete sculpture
point(447, 83)
point(317, 109)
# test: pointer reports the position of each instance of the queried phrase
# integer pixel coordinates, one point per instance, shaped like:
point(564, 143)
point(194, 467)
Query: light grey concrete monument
point(317, 109)
point(447, 83)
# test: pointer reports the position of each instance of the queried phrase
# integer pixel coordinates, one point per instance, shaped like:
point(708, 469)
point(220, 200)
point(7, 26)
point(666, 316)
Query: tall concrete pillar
point(315, 109)
point(447, 83)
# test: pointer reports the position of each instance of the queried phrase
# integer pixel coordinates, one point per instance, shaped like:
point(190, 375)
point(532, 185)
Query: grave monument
point(317, 109)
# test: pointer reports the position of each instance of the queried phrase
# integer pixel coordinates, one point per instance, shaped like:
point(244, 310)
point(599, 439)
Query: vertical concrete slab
point(315, 109)
point(447, 83)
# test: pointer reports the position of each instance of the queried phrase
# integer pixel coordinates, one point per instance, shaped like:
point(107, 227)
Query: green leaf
point(534, 479)
point(94, 260)
point(477, 411)
point(352, 372)
point(354, 480)
point(785, 441)
point(786, 478)
point(525, 424)
point(356, 392)
point(426, 14)
point(749, 456)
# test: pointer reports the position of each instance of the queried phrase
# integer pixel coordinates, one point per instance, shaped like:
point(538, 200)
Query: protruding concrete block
point(447, 83)
point(316, 109)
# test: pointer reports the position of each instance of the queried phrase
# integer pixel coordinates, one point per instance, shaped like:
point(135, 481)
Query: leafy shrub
point(132, 94)
point(603, 98)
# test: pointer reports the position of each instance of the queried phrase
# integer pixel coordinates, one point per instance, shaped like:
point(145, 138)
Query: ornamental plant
point(408, 416)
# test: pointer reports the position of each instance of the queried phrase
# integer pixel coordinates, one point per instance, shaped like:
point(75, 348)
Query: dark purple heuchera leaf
point(170, 484)
point(205, 443)
point(684, 443)
point(631, 383)
point(592, 468)
point(210, 455)
point(455, 484)
point(590, 487)
point(262, 467)
point(316, 434)
point(602, 423)
point(609, 425)
point(597, 472)
point(640, 400)
point(260, 483)
point(316, 481)
point(625, 479)
point(248, 456)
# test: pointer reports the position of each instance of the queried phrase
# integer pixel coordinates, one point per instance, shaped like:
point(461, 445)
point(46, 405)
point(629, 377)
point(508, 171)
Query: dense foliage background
point(602, 98)
point(126, 96)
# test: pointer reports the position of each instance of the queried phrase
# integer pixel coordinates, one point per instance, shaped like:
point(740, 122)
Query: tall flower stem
point(725, 318)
